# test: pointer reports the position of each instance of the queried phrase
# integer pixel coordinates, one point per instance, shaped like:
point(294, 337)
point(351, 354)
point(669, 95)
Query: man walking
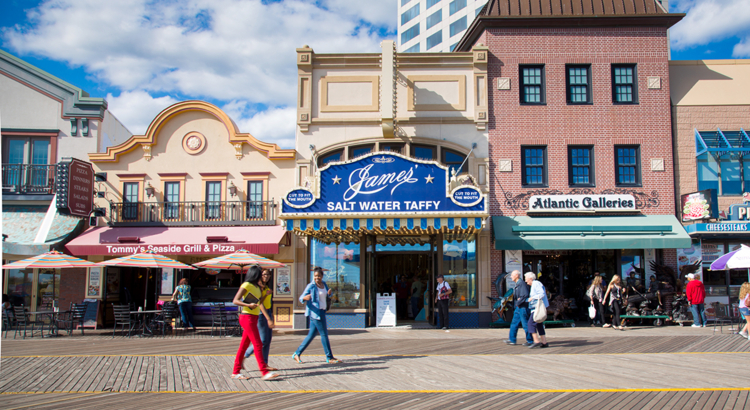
point(696, 295)
point(521, 311)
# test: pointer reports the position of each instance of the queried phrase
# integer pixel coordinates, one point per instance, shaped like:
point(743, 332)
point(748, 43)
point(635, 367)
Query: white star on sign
point(336, 180)
point(429, 179)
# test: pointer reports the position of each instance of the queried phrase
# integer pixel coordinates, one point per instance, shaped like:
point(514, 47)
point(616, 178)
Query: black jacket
point(521, 294)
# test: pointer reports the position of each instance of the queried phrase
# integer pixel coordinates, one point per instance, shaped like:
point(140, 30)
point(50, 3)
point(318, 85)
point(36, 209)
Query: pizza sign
point(699, 205)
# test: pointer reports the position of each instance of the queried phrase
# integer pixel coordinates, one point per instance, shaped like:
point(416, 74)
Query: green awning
point(591, 232)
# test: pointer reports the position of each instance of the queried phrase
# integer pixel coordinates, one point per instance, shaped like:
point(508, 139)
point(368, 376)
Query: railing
point(193, 213)
point(29, 179)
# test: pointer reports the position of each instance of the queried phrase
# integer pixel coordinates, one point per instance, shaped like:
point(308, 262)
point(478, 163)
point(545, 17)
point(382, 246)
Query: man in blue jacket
point(521, 311)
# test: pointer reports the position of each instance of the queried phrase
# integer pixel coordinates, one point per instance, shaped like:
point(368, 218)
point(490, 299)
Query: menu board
point(711, 252)
point(94, 289)
point(386, 309)
point(167, 281)
point(283, 281)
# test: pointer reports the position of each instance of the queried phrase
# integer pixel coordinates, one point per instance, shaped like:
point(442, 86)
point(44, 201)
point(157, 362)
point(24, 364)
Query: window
point(423, 152)
point(532, 84)
point(578, 78)
point(458, 26)
point(337, 155)
point(720, 161)
point(213, 199)
point(360, 150)
point(434, 39)
point(431, 3)
point(399, 148)
point(453, 160)
point(171, 200)
point(534, 166)
point(708, 172)
point(580, 166)
point(624, 84)
point(627, 165)
point(460, 270)
point(409, 15)
point(454, 46)
point(457, 5)
point(413, 49)
point(255, 200)
point(130, 200)
point(405, 2)
point(341, 264)
point(433, 19)
point(410, 34)
point(26, 164)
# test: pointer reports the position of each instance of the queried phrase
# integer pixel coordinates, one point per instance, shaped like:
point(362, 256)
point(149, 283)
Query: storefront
point(384, 223)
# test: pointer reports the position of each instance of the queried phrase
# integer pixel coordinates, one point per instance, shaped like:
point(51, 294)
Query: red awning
point(262, 240)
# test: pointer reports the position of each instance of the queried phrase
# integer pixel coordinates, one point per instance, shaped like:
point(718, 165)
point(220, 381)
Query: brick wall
point(72, 286)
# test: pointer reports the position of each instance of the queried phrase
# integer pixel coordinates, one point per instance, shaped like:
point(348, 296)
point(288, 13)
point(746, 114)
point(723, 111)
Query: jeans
point(265, 337)
point(616, 321)
point(250, 335)
point(699, 314)
point(317, 326)
point(520, 318)
point(186, 311)
point(415, 303)
point(443, 310)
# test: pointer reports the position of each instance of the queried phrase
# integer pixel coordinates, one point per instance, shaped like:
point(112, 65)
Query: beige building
point(391, 183)
point(711, 121)
point(193, 187)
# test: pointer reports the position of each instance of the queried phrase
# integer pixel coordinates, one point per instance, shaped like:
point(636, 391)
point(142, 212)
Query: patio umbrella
point(51, 259)
point(239, 261)
point(147, 259)
point(739, 259)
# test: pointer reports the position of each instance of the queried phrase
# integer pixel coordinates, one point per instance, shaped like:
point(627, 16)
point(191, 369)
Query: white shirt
point(322, 298)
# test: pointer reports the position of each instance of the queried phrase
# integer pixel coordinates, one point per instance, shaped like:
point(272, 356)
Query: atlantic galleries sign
point(384, 183)
point(578, 203)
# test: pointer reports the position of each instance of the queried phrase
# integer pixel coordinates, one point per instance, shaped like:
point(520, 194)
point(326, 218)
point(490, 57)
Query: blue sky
point(143, 55)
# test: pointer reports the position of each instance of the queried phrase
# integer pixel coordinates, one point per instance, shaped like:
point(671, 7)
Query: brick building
point(581, 168)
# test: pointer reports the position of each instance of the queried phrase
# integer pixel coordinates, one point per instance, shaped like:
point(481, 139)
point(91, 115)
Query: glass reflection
point(460, 270)
point(341, 269)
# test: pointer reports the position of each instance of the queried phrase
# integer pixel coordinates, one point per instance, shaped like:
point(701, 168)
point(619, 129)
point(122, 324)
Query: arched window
point(453, 160)
point(332, 156)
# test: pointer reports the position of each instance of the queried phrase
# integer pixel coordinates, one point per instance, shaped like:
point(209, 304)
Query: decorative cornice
point(272, 151)
point(213, 174)
point(255, 174)
point(172, 174)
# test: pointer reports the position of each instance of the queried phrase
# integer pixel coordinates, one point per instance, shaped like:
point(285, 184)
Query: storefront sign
point(699, 205)
point(384, 183)
point(567, 203)
point(513, 261)
point(74, 187)
point(167, 281)
point(94, 289)
point(739, 212)
point(711, 251)
point(192, 249)
point(283, 281)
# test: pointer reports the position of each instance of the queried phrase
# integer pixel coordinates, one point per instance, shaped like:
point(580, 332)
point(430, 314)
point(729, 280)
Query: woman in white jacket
point(537, 293)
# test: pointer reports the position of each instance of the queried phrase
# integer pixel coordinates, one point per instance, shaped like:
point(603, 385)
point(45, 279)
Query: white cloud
point(709, 21)
point(272, 125)
point(136, 109)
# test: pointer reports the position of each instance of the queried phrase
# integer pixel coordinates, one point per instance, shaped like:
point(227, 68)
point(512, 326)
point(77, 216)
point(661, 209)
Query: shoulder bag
point(540, 313)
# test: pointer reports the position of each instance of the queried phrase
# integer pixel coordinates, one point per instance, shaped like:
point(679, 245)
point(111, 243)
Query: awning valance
point(350, 229)
point(21, 224)
point(613, 232)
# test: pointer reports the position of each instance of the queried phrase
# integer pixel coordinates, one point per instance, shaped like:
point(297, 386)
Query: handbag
point(540, 313)
point(592, 312)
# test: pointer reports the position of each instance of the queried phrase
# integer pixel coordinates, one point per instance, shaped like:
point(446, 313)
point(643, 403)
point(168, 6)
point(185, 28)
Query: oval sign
point(466, 196)
point(299, 198)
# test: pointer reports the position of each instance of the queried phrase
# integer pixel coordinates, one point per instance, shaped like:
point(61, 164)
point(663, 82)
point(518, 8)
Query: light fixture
point(232, 190)
point(150, 190)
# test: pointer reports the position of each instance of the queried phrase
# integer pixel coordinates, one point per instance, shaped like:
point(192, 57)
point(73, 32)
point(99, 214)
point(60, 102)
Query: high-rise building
point(434, 25)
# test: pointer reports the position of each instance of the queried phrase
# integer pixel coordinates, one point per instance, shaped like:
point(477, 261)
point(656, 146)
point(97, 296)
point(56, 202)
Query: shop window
point(341, 271)
point(20, 283)
point(532, 84)
point(47, 289)
point(460, 271)
point(456, 6)
point(624, 84)
point(453, 160)
point(578, 78)
point(458, 26)
point(581, 165)
point(334, 156)
point(627, 165)
point(715, 282)
point(171, 200)
point(360, 150)
point(423, 152)
point(399, 148)
point(534, 166)
point(410, 14)
point(434, 40)
point(434, 18)
point(631, 266)
point(130, 200)
point(254, 199)
point(213, 199)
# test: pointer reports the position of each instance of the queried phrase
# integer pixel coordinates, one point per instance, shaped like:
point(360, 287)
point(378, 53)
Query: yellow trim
point(112, 154)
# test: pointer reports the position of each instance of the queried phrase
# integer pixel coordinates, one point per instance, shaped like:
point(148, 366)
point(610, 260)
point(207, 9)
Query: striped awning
point(350, 229)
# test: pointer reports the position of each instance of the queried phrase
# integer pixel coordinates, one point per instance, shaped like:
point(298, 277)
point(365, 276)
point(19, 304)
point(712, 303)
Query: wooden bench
point(658, 319)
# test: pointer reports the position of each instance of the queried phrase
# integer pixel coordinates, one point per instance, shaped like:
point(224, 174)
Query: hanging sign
point(699, 205)
point(385, 183)
point(74, 186)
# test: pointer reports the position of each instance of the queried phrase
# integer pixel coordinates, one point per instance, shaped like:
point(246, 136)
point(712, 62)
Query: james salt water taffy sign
point(387, 183)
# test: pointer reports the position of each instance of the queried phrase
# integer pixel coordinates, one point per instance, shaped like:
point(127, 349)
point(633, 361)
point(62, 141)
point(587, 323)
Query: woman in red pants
point(248, 297)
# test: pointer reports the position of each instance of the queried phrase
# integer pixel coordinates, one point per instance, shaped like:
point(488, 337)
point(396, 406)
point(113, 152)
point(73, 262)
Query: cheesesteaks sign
point(571, 203)
point(386, 183)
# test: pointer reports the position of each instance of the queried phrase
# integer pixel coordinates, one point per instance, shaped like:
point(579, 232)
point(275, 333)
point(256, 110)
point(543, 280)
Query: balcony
point(199, 213)
point(22, 179)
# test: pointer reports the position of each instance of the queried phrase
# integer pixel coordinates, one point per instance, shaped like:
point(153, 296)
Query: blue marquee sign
point(384, 183)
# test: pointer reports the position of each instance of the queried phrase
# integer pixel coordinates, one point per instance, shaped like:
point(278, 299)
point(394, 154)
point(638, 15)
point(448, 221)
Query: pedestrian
point(537, 292)
point(314, 297)
point(614, 291)
point(594, 293)
point(520, 311)
point(184, 303)
point(265, 319)
point(442, 299)
point(248, 297)
point(745, 308)
point(696, 295)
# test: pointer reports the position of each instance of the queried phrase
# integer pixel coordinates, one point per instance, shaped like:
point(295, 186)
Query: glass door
point(47, 289)
point(20, 287)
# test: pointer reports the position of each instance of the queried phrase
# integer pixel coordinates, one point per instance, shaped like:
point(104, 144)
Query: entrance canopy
point(21, 224)
point(611, 232)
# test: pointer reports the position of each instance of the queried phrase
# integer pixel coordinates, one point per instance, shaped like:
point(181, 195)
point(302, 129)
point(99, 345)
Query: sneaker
point(545, 345)
point(269, 376)
point(527, 344)
point(508, 342)
point(694, 325)
point(535, 346)
point(743, 334)
point(445, 328)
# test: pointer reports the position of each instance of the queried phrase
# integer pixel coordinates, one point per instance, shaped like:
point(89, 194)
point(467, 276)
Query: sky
point(144, 55)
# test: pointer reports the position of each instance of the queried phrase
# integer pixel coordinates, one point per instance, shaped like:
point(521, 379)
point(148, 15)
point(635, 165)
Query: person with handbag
point(316, 298)
point(265, 320)
point(248, 298)
point(442, 300)
point(614, 291)
point(538, 303)
point(594, 293)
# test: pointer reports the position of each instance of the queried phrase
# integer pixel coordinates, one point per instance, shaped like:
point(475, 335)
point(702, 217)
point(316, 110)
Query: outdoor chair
point(8, 321)
point(168, 314)
point(723, 317)
point(122, 318)
point(233, 322)
point(74, 318)
point(23, 320)
point(219, 319)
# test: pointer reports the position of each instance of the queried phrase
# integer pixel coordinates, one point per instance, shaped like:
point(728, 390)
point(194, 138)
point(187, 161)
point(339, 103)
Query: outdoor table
point(53, 315)
point(144, 321)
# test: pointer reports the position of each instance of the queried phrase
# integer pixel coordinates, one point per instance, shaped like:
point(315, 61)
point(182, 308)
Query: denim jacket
point(312, 306)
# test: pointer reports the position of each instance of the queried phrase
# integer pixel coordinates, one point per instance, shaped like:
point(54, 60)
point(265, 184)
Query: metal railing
point(193, 213)
point(29, 178)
